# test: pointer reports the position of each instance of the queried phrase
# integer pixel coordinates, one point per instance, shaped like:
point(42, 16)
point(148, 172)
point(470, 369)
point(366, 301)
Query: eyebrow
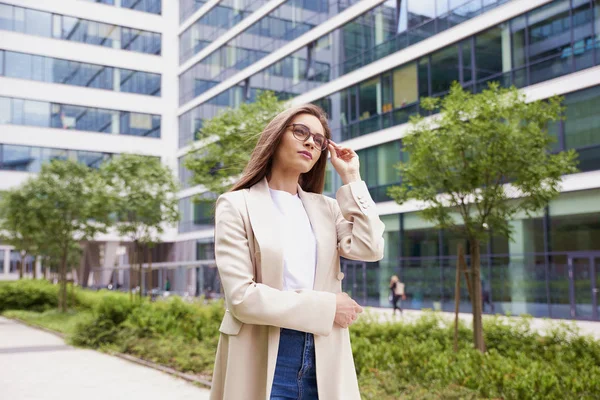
point(311, 131)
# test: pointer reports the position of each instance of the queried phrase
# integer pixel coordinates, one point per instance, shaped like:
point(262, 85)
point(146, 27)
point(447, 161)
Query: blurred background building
point(85, 80)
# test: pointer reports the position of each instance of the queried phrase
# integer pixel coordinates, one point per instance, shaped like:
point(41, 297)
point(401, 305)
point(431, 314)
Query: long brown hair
point(261, 159)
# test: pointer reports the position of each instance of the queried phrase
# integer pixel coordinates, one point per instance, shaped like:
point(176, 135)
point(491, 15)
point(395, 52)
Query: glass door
point(583, 285)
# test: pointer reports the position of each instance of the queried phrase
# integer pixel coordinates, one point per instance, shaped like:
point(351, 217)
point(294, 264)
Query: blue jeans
point(295, 372)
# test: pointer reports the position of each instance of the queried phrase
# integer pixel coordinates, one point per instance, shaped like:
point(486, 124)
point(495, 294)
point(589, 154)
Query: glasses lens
point(319, 141)
point(301, 132)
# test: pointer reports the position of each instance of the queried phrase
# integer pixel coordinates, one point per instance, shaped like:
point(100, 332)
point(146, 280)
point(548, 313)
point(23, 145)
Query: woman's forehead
point(310, 121)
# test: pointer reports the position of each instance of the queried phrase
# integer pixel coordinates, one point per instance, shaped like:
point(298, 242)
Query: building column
point(38, 267)
point(517, 272)
point(6, 261)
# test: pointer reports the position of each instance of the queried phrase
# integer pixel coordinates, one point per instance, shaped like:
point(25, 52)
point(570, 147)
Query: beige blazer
point(249, 258)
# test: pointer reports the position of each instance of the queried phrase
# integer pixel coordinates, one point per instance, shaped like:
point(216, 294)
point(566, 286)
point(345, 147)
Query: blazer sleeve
point(255, 303)
point(359, 228)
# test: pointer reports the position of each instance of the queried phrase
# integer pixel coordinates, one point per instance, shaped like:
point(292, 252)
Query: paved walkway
point(538, 324)
point(35, 365)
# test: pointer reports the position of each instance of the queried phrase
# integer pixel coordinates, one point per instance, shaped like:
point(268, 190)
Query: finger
point(333, 152)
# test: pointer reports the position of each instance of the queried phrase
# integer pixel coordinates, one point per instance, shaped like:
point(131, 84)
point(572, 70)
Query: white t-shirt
point(298, 239)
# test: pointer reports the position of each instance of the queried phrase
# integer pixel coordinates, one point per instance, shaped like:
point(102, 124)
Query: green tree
point(481, 160)
point(143, 192)
point(18, 225)
point(227, 140)
point(70, 205)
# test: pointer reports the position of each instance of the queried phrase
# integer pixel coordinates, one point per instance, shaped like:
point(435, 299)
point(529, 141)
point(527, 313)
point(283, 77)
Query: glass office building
point(369, 67)
point(82, 80)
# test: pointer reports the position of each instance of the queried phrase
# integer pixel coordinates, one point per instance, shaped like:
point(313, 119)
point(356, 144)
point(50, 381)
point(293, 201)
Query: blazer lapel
point(261, 211)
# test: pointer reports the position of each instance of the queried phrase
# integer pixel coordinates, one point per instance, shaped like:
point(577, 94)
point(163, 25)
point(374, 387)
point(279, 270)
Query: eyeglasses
point(302, 133)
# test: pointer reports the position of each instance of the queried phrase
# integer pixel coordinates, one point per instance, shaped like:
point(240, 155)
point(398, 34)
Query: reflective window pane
point(15, 158)
point(444, 69)
point(5, 110)
point(6, 22)
point(37, 113)
point(405, 85)
point(38, 23)
point(18, 65)
point(370, 98)
point(582, 126)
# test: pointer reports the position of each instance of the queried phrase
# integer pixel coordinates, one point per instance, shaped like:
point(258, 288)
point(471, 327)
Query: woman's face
point(289, 155)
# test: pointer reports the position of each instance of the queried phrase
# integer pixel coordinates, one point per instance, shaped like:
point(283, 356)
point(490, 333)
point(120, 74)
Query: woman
point(397, 292)
point(277, 246)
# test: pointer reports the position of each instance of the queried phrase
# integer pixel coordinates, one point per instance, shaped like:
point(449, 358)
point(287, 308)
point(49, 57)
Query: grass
point(52, 319)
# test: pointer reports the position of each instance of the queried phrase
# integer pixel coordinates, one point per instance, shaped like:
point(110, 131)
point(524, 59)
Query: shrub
point(28, 295)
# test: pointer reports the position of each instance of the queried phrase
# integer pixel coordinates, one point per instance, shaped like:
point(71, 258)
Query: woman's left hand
point(345, 161)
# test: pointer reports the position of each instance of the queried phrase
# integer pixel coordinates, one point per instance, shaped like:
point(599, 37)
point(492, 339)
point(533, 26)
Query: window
point(582, 126)
point(37, 113)
point(550, 50)
point(370, 98)
point(6, 20)
point(15, 158)
point(405, 85)
point(575, 221)
point(488, 52)
point(38, 23)
point(444, 69)
point(18, 65)
point(5, 110)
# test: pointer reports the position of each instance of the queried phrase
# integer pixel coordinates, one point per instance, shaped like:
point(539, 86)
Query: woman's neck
point(284, 182)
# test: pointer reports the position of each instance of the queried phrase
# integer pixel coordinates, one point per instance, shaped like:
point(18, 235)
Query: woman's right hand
point(346, 310)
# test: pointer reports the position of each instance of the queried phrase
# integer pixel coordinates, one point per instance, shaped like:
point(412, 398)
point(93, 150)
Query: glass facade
point(217, 21)
point(196, 215)
point(64, 116)
point(56, 70)
point(185, 175)
point(318, 63)
point(41, 23)
point(377, 168)
point(550, 268)
point(282, 25)
point(149, 6)
point(523, 51)
point(30, 159)
point(189, 7)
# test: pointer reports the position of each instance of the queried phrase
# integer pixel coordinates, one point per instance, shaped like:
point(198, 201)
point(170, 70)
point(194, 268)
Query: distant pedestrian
point(397, 293)
point(168, 285)
point(485, 296)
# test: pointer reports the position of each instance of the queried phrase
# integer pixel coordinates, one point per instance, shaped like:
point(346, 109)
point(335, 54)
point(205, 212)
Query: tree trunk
point(34, 269)
point(150, 283)
point(131, 264)
point(21, 266)
point(476, 299)
point(141, 272)
point(459, 266)
point(62, 299)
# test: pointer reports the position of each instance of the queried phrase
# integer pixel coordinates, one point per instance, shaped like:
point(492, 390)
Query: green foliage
point(51, 319)
point(143, 193)
point(28, 295)
point(227, 140)
point(393, 360)
point(416, 360)
point(18, 225)
point(475, 145)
